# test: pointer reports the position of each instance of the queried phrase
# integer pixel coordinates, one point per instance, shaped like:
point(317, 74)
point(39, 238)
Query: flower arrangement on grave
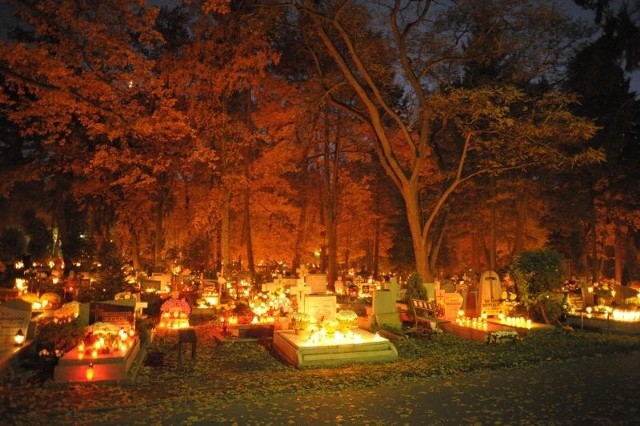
point(103, 338)
point(300, 320)
point(440, 310)
point(330, 326)
point(603, 290)
point(174, 314)
point(347, 319)
point(509, 300)
point(502, 336)
point(67, 312)
point(632, 301)
point(268, 305)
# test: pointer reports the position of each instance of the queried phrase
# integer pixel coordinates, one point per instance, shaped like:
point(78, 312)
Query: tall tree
point(444, 137)
point(599, 74)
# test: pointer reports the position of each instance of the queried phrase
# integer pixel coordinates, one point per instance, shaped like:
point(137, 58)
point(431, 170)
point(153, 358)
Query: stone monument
point(489, 294)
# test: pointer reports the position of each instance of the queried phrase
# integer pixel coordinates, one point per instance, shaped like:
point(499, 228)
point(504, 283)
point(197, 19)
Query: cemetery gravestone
point(320, 306)
point(299, 291)
point(394, 289)
point(575, 300)
point(14, 315)
point(490, 293)
point(317, 282)
point(431, 290)
point(118, 314)
point(384, 310)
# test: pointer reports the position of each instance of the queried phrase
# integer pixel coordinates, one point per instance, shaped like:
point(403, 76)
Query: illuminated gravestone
point(320, 307)
point(394, 288)
point(384, 309)
point(489, 294)
point(120, 313)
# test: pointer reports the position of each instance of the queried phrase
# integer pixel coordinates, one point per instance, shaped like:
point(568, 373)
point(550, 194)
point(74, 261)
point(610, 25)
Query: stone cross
point(300, 291)
point(302, 271)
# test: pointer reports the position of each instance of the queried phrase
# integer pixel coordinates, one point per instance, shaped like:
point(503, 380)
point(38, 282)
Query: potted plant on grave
point(347, 319)
point(300, 321)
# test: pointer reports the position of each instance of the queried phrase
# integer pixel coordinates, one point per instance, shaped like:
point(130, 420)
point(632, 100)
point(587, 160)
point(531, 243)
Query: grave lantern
point(19, 338)
point(90, 372)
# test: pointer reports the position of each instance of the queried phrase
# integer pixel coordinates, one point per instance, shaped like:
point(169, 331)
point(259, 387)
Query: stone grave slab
point(108, 368)
point(362, 347)
point(320, 306)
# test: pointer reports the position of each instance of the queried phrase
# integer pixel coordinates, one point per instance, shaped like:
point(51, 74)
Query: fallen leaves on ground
point(237, 371)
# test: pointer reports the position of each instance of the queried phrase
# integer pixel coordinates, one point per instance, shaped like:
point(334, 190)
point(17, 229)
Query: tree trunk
point(492, 226)
point(376, 248)
point(225, 232)
point(436, 241)
point(247, 230)
point(420, 250)
point(521, 218)
point(619, 252)
point(136, 247)
point(159, 232)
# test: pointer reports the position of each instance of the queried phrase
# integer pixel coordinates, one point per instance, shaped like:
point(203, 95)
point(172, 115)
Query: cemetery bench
point(425, 311)
point(186, 335)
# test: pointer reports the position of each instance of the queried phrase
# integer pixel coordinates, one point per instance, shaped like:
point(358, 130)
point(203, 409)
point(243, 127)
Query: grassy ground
point(237, 371)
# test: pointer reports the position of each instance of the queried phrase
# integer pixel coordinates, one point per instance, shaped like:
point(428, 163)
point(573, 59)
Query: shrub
point(415, 288)
point(538, 275)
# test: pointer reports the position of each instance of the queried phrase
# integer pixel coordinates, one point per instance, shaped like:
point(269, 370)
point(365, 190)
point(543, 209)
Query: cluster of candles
point(320, 336)
point(175, 319)
point(262, 320)
point(515, 321)
point(615, 314)
point(624, 315)
point(479, 323)
point(123, 342)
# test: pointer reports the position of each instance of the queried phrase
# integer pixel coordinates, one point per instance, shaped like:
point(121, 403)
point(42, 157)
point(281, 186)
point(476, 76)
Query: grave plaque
point(14, 315)
point(317, 282)
point(320, 306)
point(452, 304)
point(575, 301)
point(116, 314)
